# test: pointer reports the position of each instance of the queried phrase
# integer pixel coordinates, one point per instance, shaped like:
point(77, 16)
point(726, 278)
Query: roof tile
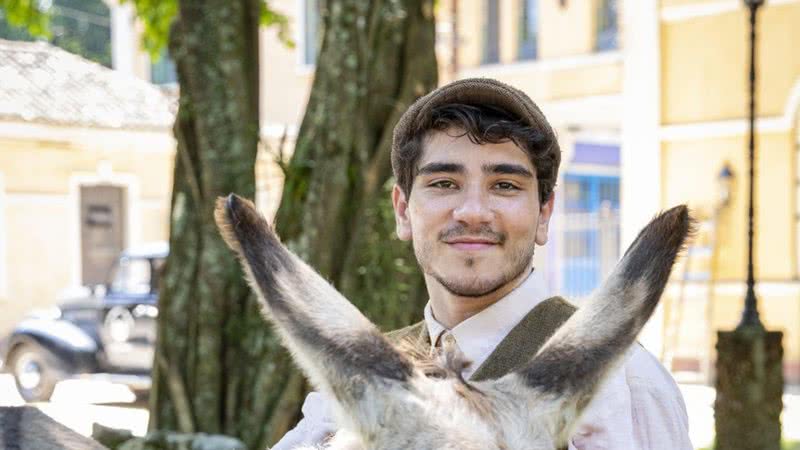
point(43, 83)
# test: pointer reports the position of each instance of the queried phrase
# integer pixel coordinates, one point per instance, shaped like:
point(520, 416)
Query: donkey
point(385, 400)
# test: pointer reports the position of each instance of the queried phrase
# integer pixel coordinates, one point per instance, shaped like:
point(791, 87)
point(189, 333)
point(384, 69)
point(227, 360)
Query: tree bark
point(218, 368)
point(210, 366)
point(375, 59)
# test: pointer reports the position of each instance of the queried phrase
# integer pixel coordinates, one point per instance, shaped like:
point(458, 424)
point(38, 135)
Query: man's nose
point(474, 208)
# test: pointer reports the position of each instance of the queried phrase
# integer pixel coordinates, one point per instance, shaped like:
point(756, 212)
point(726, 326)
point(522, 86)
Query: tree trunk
point(218, 367)
point(210, 368)
point(376, 58)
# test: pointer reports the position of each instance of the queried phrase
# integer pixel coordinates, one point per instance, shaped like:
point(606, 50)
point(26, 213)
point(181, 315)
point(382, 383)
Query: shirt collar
point(478, 336)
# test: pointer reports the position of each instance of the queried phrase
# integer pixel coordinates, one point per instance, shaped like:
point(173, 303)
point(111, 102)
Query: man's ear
point(402, 221)
point(545, 212)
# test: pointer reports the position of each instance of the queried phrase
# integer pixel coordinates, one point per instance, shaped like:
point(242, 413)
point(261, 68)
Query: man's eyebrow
point(441, 167)
point(507, 169)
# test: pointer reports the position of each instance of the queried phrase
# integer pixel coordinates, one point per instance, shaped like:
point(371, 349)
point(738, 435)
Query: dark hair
point(483, 124)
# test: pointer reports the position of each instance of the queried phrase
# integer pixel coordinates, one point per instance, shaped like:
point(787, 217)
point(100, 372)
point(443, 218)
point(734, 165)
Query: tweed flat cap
point(471, 91)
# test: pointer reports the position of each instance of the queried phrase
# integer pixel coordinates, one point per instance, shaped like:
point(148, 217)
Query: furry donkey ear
point(578, 357)
point(341, 351)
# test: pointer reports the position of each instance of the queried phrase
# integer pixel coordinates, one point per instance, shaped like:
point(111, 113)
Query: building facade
point(649, 100)
point(85, 171)
point(701, 80)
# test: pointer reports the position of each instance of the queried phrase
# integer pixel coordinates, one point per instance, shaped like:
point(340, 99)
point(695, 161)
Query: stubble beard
point(519, 261)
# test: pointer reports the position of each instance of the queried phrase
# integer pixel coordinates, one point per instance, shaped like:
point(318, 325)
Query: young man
point(476, 163)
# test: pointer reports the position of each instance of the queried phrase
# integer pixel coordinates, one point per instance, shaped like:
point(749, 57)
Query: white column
point(123, 37)
point(641, 148)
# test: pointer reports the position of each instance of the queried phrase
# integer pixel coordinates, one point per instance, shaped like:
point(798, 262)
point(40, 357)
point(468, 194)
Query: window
point(131, 276)
point(528, 30)
point(607, 29)
point(163, 70)
point(491, 33)
point(311, 31)
point(589, 223)
point(590, 232)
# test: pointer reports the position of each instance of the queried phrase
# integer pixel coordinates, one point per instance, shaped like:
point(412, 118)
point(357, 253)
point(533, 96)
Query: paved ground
point(700, 406)
point(77, 404)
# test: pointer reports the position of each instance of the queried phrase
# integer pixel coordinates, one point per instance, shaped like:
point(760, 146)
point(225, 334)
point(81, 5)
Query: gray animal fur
point(386, 401)
point(27, 428)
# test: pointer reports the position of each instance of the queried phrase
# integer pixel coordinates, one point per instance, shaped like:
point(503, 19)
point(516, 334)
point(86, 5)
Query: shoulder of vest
point(562, 304)
point(526, 338)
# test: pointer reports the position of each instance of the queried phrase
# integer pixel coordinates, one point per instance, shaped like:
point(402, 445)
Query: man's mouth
point(471, 244)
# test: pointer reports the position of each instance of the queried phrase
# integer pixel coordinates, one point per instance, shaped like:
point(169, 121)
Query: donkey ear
point(341, 351)
point(582, 353)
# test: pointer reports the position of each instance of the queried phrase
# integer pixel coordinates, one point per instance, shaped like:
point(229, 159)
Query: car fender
point(68, 342)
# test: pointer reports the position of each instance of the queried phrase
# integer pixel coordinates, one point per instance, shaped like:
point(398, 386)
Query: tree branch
point(180, 400)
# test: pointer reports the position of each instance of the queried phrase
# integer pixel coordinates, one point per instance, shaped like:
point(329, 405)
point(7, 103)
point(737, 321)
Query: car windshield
point(132, 276)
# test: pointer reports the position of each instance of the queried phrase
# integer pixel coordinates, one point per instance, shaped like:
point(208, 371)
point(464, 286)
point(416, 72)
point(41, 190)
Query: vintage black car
point(108, 333)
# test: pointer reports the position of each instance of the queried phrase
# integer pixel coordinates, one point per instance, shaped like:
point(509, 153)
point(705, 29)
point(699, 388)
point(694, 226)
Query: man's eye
point(506, 186)
point(444, 184)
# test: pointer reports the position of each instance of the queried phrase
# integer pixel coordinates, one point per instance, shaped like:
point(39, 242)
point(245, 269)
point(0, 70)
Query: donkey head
point(386, 401)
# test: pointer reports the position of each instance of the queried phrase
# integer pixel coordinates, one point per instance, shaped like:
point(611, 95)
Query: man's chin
point(471, 288)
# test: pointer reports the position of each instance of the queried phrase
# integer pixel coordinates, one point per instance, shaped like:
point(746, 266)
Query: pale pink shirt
point(638, 407)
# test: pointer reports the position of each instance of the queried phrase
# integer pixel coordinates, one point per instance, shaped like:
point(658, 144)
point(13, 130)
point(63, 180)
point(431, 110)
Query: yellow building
point(701, 84)
point(85, 171)
point(649, 99)
point(86, 165)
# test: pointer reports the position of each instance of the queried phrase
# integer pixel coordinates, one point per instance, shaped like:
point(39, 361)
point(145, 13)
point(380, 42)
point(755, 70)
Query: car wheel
point(36, 372)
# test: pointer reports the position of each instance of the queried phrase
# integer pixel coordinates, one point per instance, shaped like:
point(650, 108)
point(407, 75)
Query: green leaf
point(26, 14)
point(157, 16)
point(271, 18)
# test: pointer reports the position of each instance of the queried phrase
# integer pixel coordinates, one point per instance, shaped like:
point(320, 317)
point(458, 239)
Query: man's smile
point(472, 244)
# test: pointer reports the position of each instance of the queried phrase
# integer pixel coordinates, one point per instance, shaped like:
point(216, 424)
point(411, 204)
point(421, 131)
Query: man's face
point(473, 214)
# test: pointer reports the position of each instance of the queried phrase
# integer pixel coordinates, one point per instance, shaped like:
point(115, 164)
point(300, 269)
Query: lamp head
point(725, 184)
point(753, 3)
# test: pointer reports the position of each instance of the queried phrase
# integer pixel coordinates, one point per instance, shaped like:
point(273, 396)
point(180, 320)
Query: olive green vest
point(516, 349)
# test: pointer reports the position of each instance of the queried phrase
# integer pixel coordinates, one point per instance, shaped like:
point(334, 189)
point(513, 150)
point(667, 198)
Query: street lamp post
point(749, 359)
point(750, 316)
